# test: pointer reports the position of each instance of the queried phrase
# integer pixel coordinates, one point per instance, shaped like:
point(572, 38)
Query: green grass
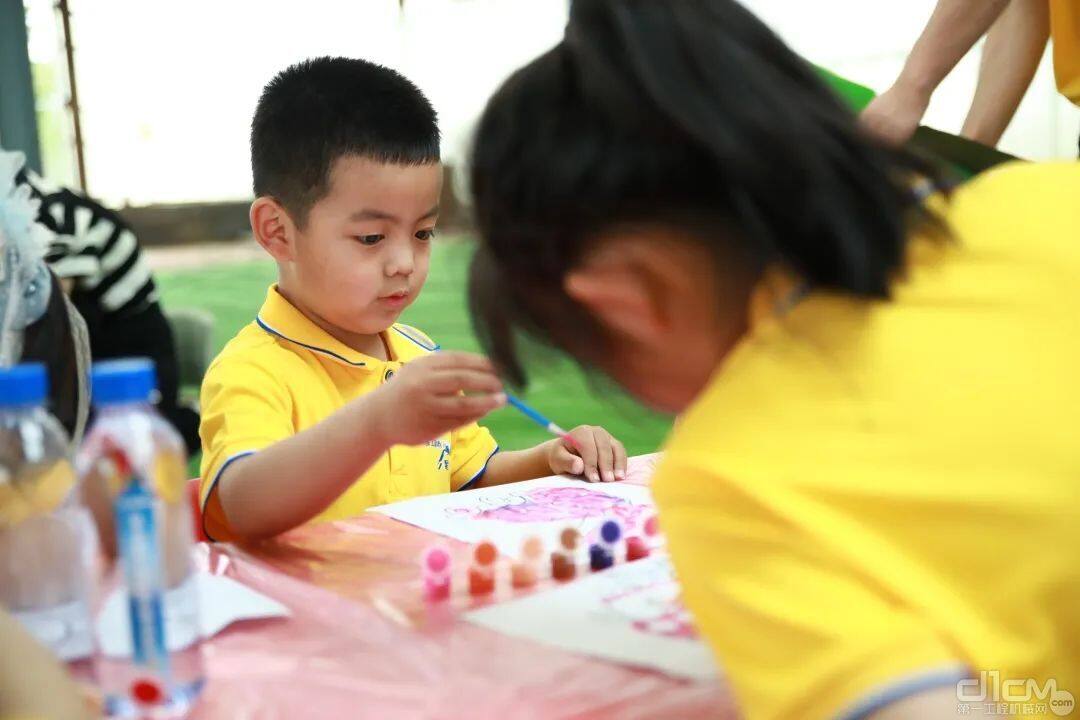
point(233, 293)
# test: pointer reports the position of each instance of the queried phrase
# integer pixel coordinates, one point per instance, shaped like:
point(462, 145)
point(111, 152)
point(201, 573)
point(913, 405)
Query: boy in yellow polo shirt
point(324, 387)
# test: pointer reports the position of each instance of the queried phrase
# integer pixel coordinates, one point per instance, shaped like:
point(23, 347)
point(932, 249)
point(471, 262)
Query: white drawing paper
point(507, 514)
point(631, 613)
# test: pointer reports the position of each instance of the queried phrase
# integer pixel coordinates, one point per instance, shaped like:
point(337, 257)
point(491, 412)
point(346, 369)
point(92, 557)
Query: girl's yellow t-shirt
point(872, 498)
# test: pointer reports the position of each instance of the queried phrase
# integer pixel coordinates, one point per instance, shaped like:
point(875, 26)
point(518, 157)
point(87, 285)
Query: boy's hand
point(435, 394)
point(600, 457)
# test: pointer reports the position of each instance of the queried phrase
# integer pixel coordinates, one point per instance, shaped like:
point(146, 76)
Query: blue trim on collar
point(324, 351)
point(429, 348)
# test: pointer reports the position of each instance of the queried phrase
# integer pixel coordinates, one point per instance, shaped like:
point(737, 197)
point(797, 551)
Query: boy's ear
point(273, 228)
point(622, 294)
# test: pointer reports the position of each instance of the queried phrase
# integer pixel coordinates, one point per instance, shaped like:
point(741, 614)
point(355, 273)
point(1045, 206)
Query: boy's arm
point(953, 29)
point(293, 480)
point(1010, 58)
point(598, 456)
point(514, 465)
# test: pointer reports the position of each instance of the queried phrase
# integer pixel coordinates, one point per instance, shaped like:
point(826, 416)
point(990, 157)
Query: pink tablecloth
point(361, 643)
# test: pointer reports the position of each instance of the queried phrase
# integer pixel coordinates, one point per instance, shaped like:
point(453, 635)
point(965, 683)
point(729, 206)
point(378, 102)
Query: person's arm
point(599, 456)
point(32, 683)
point(1010, 58)
point(952, 31)
point(290, 482)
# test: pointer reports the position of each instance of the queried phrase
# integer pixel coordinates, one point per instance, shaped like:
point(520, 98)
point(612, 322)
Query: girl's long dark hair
point(688, 114)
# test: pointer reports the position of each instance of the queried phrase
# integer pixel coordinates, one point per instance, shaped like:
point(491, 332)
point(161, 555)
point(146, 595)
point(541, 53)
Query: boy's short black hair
point(321, 109)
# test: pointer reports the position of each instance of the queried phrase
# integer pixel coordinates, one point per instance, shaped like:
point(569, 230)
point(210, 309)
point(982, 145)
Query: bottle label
point(139, 547)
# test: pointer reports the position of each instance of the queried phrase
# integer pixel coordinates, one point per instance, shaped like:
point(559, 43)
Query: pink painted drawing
point(674, 622)
point(656, 610)
point(557, 504)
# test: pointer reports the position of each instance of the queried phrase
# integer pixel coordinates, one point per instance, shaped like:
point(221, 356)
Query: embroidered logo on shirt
point(443, 463)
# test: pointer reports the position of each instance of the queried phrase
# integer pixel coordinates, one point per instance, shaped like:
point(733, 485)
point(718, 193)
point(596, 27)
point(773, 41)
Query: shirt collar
point(282, 319)
point(279, 317)
point(407, 342)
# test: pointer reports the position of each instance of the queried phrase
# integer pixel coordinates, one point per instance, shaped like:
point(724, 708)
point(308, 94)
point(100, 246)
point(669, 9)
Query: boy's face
point(362, 257)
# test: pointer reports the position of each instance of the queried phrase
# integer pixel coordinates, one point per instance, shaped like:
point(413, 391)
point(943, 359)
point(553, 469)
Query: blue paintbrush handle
point(528, 412)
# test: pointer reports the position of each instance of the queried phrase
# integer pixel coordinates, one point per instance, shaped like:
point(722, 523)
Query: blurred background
point(165, 92)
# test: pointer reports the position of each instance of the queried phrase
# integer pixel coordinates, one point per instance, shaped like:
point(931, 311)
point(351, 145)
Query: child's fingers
point(454, 381)
point(466, 408)
point(605, 458)
point(620, 459)
point(565, 462)
point(587, 449)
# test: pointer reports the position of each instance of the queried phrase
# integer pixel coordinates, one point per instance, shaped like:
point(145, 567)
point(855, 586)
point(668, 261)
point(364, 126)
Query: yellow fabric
point(283, 374)
point(1065, 34)
point(873, 492)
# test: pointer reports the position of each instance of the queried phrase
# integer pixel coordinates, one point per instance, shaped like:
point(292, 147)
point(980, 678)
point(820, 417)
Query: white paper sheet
point(630, 614)
point(507, 514)
point(222, 601)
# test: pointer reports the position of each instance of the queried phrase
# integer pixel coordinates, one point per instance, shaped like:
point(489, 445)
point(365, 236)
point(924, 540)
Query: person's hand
point(894, 115)
point(435, 394)
point(598, 456)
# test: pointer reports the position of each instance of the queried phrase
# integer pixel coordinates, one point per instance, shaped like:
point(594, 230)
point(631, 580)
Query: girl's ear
point(617, 295)
point(273, 228)
point(633, 284)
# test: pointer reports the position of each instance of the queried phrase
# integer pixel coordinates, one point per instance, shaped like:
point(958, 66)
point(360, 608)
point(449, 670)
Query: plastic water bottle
point(48, 543)
point(141, 460)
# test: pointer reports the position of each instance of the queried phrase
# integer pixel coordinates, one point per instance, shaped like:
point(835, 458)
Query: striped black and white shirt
point(96, 250)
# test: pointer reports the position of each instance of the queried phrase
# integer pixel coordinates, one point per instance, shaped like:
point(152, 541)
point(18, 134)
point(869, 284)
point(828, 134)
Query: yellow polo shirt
point(871, 499)
point(282, 374)
point(1065, 31)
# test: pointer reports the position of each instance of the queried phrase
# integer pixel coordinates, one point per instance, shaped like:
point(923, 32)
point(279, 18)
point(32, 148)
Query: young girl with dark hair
point(871, 494)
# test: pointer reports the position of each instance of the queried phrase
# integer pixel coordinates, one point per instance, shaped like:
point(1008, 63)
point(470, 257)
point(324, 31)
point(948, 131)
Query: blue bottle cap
point(23, 385)
point(610, 532)
point(116, 382)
